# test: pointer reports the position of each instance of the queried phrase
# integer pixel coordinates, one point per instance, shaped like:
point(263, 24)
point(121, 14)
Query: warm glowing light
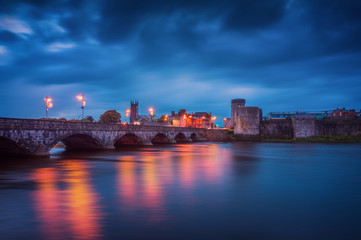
point(83, 103)
point(203, 117)
point(190, 116)
point(127, 111)
point(184, 116)
point(151, 111)
point(80, 97)
point(48, 102)
point(225, 119)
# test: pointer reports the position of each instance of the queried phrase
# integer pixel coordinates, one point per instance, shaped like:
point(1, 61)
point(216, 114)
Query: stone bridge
point(37, 137)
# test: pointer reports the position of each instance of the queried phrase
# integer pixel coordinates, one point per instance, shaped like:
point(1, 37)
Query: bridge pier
point(109, 147)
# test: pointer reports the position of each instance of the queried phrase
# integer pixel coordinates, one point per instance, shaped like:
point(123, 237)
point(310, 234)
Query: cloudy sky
point(280, 55)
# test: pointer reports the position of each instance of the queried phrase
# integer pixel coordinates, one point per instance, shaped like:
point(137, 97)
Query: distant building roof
point(304, 116)
point(201, 113)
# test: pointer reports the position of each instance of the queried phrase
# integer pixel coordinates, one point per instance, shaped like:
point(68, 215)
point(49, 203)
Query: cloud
point(58, 47)
point(3, 50)
point(198, 54)
point(14, 25)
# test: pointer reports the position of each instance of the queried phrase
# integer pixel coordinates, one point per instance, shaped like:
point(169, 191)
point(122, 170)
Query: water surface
point(187, 191)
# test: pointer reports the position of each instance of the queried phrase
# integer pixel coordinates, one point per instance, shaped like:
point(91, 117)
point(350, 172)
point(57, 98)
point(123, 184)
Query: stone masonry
point(37, 137)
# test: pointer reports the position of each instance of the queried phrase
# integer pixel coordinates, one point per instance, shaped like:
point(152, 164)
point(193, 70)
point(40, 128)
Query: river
point(185, 191)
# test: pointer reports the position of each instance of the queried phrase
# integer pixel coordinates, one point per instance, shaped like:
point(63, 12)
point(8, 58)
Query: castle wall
point(277, 128)
point(338, 127)
point(303, 127)
point(247, 123)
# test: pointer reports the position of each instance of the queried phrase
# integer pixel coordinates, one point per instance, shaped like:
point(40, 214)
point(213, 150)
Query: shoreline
point(319, 139)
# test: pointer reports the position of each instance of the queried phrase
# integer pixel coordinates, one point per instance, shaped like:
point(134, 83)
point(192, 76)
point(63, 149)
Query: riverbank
point(320, 139)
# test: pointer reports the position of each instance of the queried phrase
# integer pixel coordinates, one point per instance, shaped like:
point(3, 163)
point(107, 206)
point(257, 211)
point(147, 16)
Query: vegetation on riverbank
point(321, 139)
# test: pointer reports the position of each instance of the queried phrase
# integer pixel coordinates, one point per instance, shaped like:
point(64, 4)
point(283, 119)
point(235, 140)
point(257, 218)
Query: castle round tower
point(236, 104)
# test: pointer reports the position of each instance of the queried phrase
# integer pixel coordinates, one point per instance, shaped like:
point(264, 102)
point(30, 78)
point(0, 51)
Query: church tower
point(134, 112)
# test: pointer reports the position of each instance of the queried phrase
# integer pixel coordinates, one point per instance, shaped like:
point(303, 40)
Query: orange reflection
point(152, 195)
point(73, 211)
point(187, 167)
point(48, 203)
point(127, 181)
point(83, 212)
point(142, 190)
point(212, 167)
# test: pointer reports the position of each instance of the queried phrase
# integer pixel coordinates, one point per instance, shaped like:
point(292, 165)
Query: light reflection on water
point(186, 191)
point(73, 210)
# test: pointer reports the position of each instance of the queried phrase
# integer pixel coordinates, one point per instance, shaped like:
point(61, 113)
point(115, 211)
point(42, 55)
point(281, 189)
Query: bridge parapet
point(37, 137)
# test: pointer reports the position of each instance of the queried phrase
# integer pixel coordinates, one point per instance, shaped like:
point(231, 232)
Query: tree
point(90, 118)
point(110, 116)
point(162, 118)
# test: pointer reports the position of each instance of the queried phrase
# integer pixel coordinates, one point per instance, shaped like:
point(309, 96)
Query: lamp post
point(127, 111)
point(48, 104)
point(151, 111)
point(81, 98)
point(213, 118)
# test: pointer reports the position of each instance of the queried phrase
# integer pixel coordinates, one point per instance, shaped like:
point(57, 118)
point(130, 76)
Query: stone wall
point(37, 137)
point(303, 127)
point(247, 123)
point(338, 127)
point(277, 128)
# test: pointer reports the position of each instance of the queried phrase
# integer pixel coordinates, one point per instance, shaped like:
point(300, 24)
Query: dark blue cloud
point(280, 55)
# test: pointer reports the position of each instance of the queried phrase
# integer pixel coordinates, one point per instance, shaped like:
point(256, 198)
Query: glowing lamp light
point(184, 116)
point(127, 112)
point(225, 119)
point(48, 104)
point(190, 116)
point(203, 117)
point(80, 97)
point(151, 111)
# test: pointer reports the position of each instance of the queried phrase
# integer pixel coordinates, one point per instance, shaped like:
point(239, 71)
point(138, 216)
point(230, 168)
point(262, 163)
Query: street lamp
point(81, 98)
point(48, 104)
point(127, 111)
point(151, 111)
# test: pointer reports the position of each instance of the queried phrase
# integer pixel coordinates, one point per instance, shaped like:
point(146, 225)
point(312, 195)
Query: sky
point(197, 55)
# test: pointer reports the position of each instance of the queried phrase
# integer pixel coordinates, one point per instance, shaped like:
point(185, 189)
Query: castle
point(248, 124)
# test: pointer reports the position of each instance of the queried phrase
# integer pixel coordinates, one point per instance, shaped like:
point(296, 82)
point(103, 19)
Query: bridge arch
point(80, 141)
point(180, 138)
point(194, 137)
point(12, 148)
point(129, 139)
point(160, 138)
